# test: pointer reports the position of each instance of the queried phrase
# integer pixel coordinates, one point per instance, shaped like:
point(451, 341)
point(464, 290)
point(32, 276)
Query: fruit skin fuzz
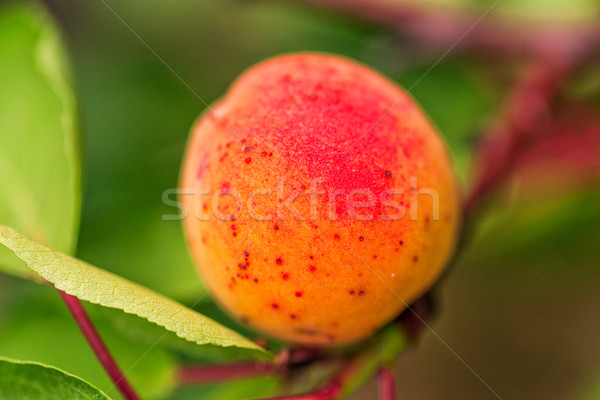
point(319, 200)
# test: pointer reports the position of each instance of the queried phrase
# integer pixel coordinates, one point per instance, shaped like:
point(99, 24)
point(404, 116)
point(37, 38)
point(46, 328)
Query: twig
point(383, 349)
point(440, 26)
point(328, 392)
point(526, 113)
point(287, 359)
point(98, 346)
point(387, 384)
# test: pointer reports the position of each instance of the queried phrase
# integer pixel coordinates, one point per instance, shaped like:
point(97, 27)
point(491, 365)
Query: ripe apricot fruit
point(319, 200)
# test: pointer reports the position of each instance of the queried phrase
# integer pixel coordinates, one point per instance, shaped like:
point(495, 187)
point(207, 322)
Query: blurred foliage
point(547, 239)
point(533, 11)
point(39, 154)
point(135, 116)
point(593, 392)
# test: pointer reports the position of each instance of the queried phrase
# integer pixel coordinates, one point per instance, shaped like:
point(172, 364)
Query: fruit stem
point(383, 350)
point(387, 384)
point(287, 358)
point(328, 392)
point(98, 346)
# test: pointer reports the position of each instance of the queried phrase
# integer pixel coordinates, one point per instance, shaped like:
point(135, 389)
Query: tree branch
point(288, 358)
point(328, 392)
point(387, 384)
point(442, 26)
point(527, 112)
point(98, 346)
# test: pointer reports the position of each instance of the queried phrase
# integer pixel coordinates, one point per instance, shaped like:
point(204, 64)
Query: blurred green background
point(521, 307)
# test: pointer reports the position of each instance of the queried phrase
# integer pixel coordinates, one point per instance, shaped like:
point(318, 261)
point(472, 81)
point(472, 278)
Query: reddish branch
point(442, 27)
point(287, 359)
point(387, 384)
point(526, 115)
point(570, 151)
point(328, 392)
point(98, 346)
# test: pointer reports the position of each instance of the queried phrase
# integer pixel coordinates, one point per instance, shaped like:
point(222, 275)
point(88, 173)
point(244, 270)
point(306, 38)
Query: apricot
point(319, 200)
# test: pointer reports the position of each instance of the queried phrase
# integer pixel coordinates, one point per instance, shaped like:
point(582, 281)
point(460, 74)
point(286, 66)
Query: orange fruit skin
point(317, 269)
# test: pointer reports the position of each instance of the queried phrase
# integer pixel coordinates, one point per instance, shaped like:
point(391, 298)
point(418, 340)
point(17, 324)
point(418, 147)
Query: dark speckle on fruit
point(308, 331)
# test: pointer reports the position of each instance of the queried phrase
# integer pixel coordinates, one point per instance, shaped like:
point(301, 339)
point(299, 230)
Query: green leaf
point(32, 381)
point(143, 332)
point(39, 156)
point(101, 287)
